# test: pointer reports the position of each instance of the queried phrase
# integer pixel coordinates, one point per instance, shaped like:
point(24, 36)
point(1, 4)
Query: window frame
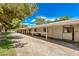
point(68, 29)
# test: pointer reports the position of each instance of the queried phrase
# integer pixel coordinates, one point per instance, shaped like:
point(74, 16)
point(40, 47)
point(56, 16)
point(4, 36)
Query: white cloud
point(51, 19)
point(33, 20)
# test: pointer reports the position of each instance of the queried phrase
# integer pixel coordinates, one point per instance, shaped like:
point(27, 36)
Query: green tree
point(64, 18)
point(49, 21)
point(11, 13)
point(39, 20)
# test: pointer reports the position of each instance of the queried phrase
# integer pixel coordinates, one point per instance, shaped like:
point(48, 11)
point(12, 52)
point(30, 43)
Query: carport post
point(46, 33)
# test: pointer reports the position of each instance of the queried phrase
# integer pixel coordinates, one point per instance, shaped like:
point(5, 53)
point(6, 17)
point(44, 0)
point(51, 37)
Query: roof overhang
point(59, 23)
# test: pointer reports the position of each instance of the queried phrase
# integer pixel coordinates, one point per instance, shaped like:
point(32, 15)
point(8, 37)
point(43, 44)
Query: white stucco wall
point(76, 32)
point(67, 36)
point(55, 32)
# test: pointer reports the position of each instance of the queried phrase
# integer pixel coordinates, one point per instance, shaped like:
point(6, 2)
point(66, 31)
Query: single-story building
point(68, 29)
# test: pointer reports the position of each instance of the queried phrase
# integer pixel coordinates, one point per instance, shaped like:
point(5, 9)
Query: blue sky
point(50, 11)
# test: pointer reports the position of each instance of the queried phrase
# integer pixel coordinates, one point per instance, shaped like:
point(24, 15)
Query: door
point(68, 32)
point(72, 33)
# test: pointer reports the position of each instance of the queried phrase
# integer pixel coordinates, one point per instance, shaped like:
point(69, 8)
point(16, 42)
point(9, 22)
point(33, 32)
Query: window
point(44, 29)
point(35, 30)
point(68, 29)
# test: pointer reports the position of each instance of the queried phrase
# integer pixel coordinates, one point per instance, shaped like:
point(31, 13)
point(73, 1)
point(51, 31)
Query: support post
point(21, 31)
point(32, 32)
point(46, 34)
point(25, 31)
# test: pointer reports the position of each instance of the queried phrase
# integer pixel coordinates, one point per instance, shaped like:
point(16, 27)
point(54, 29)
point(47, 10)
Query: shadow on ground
point(6, 41)
point(59, 42)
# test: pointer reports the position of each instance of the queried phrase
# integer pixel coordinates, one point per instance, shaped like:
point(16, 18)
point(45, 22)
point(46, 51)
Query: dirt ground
point(33, 46)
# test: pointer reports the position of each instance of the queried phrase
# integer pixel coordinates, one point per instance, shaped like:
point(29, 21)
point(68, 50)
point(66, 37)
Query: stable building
point(68, 29)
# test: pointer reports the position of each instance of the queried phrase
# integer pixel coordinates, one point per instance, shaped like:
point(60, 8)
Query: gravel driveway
point(32, 46)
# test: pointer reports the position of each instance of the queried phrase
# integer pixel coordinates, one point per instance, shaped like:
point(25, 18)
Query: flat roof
point(58, 23)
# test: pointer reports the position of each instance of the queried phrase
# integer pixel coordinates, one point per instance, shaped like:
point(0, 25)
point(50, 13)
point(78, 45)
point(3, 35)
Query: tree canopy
point(64, 18)
point(39, 21)
point(12, 13)
point(49, 21)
